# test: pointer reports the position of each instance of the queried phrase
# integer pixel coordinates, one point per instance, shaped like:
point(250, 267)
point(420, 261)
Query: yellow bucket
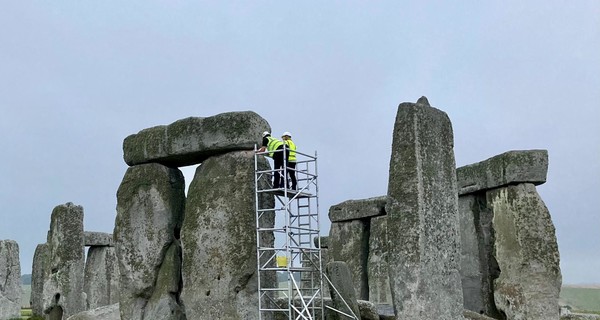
point(282, 262)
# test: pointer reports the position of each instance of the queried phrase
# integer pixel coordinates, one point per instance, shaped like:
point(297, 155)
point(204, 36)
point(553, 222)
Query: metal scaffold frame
point(288, 244)
point(292, 255)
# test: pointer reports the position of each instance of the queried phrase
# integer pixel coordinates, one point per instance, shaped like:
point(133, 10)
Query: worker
point(275, 148)
point(291, 160)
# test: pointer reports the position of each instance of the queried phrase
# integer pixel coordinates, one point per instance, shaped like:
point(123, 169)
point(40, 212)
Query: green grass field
point(581, 298)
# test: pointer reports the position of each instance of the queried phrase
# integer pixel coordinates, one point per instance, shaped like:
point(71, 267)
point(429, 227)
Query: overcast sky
point(77, 77)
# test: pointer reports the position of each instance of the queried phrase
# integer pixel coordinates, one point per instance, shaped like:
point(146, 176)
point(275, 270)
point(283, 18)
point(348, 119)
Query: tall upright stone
point(349, 238)
point(40, 260)
point(10, 280)
point(349, 242)
point(479, 259)
point(150, 205)
point(527, 253)
point(377, 264)
point(423, 216)
point(63, 286)
point(478, 265)
point(342, 291)
point(101, 281)
point(219, 239)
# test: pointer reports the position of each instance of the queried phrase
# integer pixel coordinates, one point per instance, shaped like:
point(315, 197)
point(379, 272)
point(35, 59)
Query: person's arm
point(265, 142)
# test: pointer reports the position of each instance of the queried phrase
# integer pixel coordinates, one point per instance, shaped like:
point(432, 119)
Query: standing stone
point(349, 242)
point(40, 260)
point(378, 271)
point(342, 291)
point(101, 284)
point(150, 205)
point(478, 265)
point(423, 216)
point(527, 253)
point(10, 280)
point(162, 304)
point(63, 286)
point(192, 140)
point(219, 239)
point(470, 270)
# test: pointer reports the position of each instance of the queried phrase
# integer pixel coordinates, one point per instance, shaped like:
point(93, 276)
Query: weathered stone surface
point(580, 316)
point(349, 242)
point(386, 312)
point(478, 266)
point(357, 209)
point(527, 254)
point(97, 239)
point(511, 167)
point(192, 140)
point(322, 242)
point(110, 312)
point(10, 280)
point(311, 279)
point(150, 205)
point(63, 285)
point(164, 301)
point(423, 216)
point(101, 280)
point(41, 258)
point(377, 265)
point(468, 314)
point(368, 310)
point(342, 292)
point(219, 239)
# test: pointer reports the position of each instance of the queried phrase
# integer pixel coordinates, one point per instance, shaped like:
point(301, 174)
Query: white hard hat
point(266, 133)
point(287, 133)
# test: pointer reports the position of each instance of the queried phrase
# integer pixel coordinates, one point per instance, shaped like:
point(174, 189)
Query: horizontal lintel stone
point(97, 239)
point(191, 140)
point(358, 209)
point(512, 167)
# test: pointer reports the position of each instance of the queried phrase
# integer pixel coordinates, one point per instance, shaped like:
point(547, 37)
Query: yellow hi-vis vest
point(292, 147)
point(273, 145)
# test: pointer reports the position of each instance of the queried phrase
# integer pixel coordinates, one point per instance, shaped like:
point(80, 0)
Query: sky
point(77, 77)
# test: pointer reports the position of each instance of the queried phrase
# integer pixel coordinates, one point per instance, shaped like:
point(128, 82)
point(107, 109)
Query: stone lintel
point(324, 242)
point(512, 167)
point(192, 140)
point(358, 209)
point(97, 239)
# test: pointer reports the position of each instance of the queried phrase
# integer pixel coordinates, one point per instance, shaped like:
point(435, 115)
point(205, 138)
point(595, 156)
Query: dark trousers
point(278, 164)
point(291, 172)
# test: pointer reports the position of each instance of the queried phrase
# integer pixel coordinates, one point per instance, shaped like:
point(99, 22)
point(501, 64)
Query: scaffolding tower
point(291, 259)
point(288, 250)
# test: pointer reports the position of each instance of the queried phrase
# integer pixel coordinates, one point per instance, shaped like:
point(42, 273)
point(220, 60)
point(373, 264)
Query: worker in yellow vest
point(291, 160)
point(276, 151)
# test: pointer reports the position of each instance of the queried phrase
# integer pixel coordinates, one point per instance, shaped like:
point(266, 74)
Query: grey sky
point(77, 77)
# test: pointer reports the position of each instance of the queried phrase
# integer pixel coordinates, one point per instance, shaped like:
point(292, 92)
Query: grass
point(26, 313)
point(581, 299)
